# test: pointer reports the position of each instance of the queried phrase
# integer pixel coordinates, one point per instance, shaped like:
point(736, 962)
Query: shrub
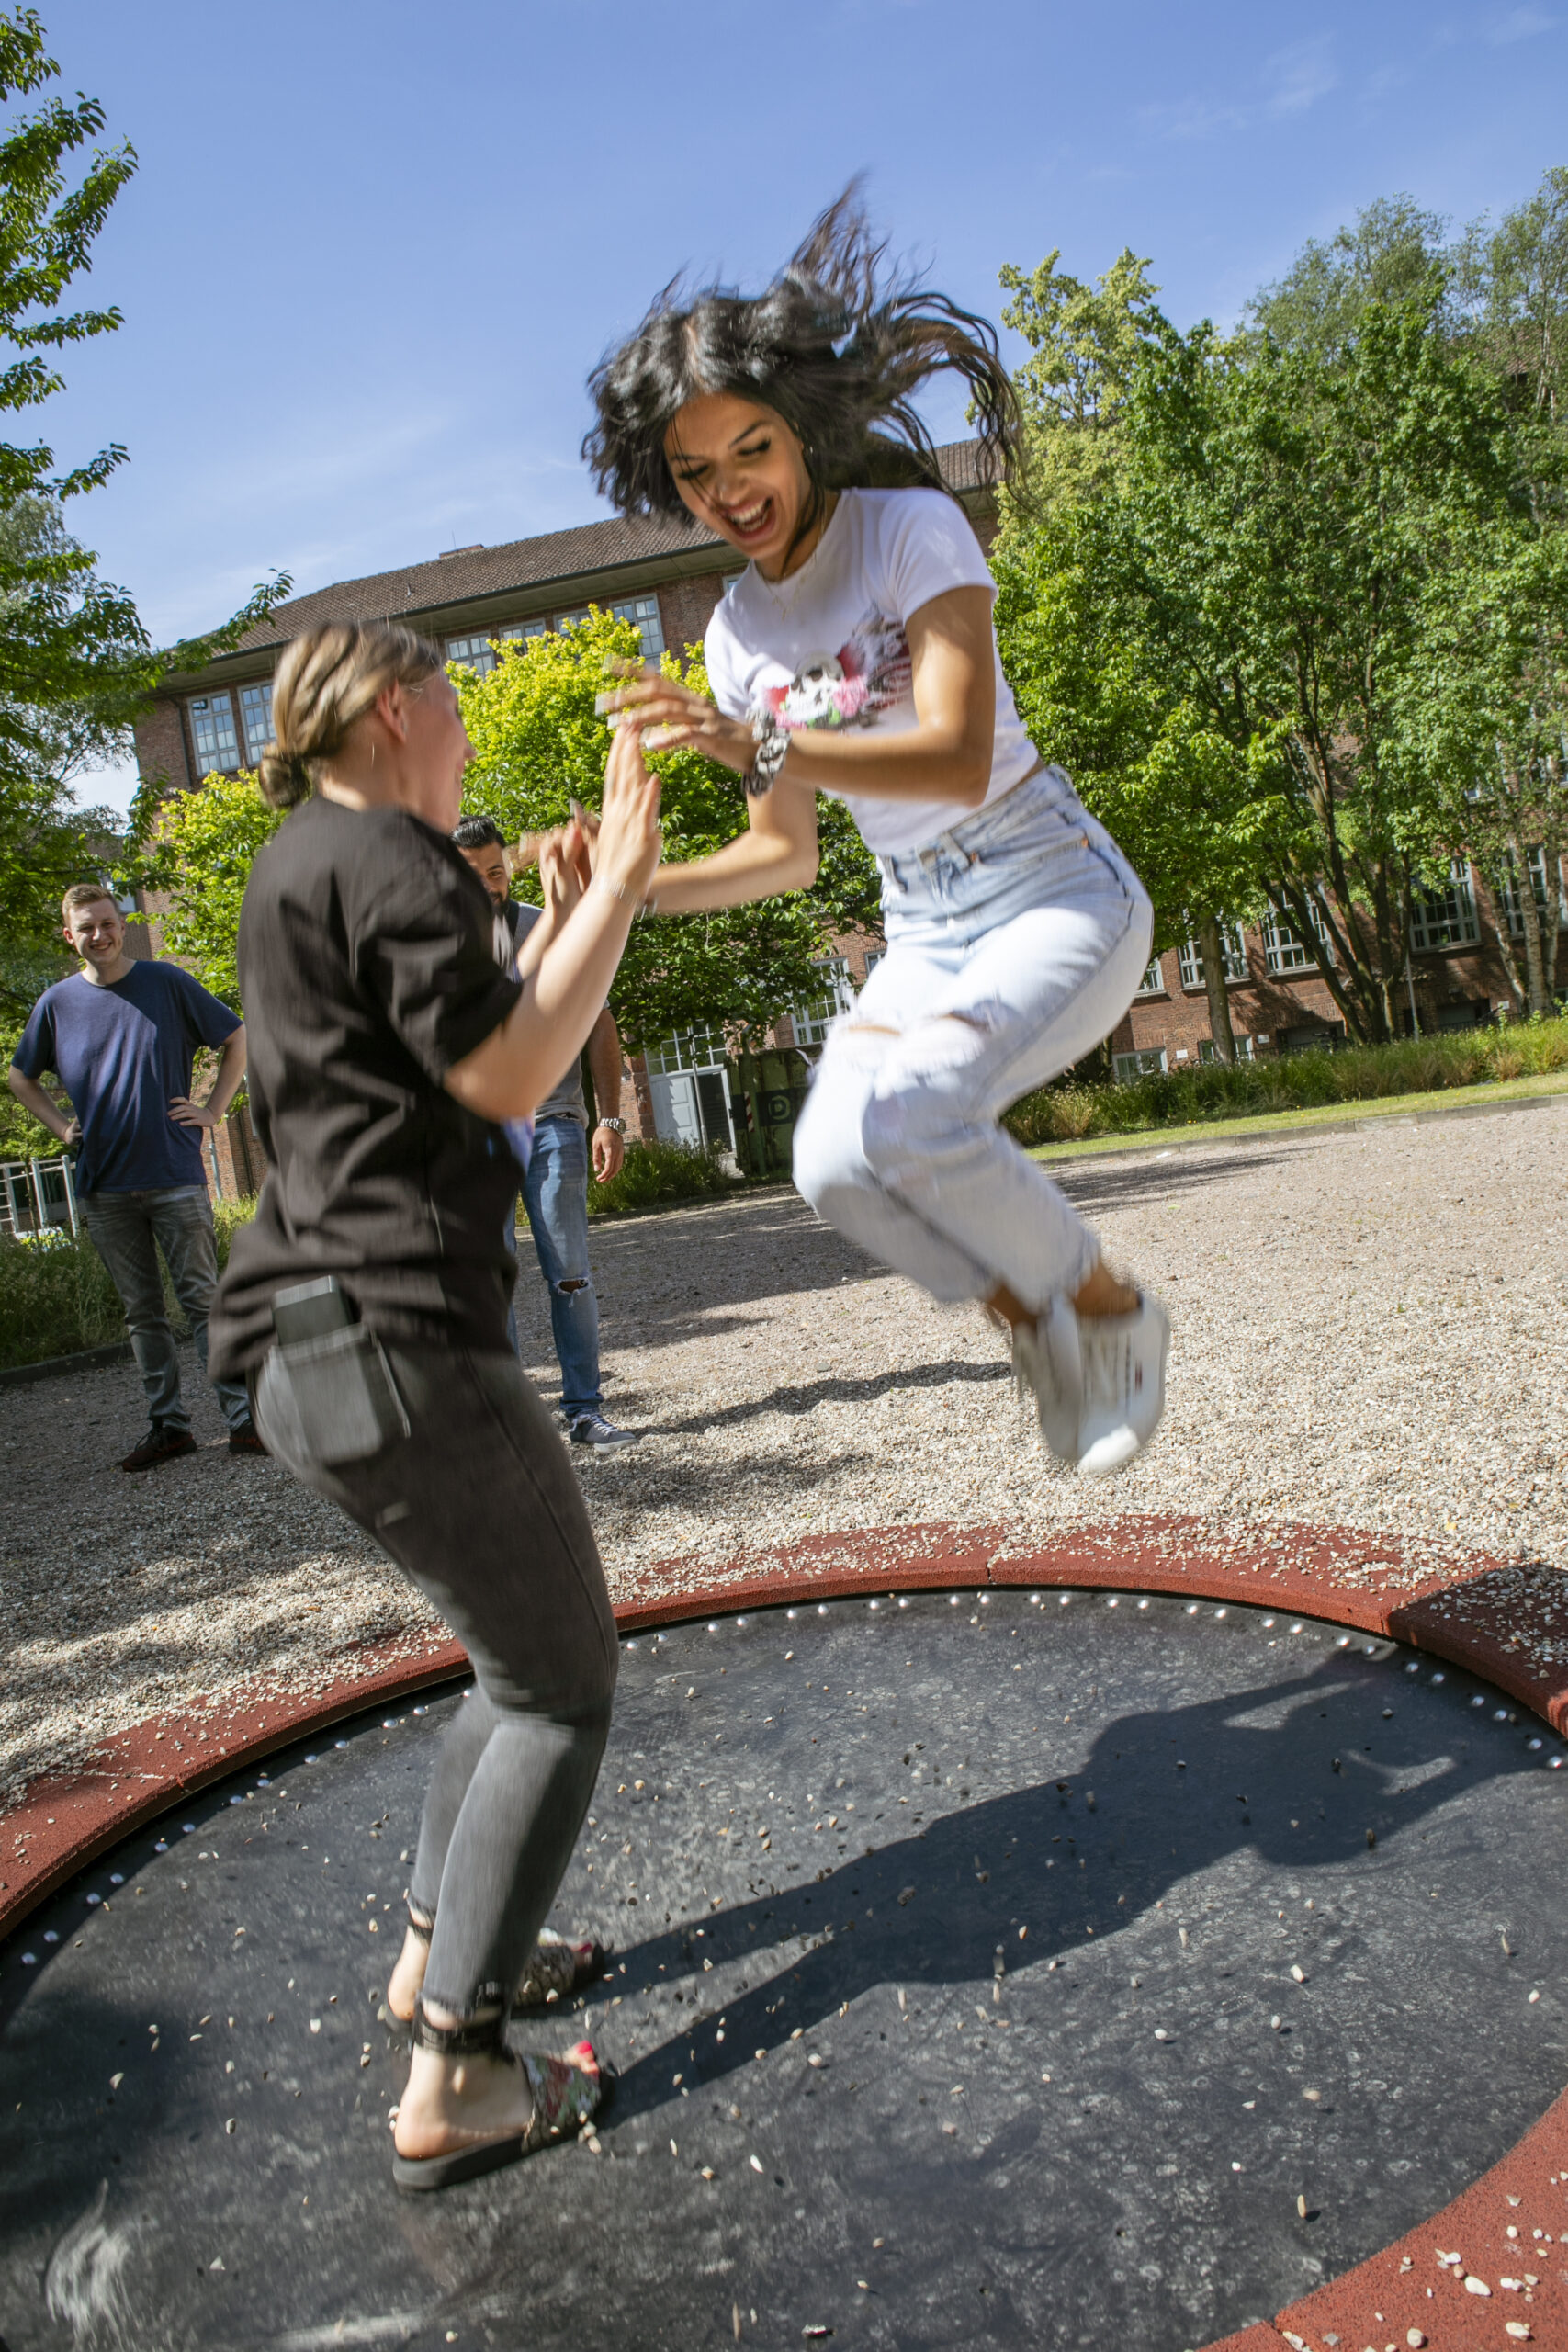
point(654, 1173)
point(55, 1297)
point(1067, 1113)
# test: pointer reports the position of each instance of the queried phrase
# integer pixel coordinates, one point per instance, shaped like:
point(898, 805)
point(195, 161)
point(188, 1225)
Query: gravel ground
point(1369, 1333)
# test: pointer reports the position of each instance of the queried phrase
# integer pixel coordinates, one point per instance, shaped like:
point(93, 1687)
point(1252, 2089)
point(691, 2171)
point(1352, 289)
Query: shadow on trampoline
point(1165, 1794)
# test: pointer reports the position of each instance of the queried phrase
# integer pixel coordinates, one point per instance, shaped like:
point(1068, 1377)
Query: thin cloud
point(1288, 83)
point(1298, 77)
point(1520, 24)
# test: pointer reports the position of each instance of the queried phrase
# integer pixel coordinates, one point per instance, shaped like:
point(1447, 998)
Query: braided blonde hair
point(328, 678)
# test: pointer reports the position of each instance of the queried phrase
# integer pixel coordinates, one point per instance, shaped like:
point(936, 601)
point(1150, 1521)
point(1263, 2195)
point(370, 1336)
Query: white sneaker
point(1123, 1385)
point(1046, 1363)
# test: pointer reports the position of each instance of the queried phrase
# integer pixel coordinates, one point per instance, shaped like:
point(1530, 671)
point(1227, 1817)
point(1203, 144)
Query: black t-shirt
point(366, 972)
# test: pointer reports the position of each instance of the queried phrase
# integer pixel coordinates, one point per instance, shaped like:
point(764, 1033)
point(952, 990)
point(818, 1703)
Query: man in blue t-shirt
point(120, 1036)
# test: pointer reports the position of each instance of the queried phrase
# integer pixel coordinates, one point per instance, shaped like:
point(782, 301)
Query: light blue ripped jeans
point(1015, 944)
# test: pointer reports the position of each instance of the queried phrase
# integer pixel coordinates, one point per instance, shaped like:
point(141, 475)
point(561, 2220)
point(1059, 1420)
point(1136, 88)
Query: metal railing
point(38, 1196)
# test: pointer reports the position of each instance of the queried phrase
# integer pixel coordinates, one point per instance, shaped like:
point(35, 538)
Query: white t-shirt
point(827, 648)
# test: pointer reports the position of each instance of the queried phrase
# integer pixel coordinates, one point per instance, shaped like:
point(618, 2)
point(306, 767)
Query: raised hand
point(669, 716)
point(627, 851)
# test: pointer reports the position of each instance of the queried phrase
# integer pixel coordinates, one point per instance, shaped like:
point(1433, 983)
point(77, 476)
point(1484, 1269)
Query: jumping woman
point(855, 655)
point(366, 1308)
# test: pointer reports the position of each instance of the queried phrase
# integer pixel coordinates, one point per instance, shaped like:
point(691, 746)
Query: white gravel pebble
point(1321, 1288)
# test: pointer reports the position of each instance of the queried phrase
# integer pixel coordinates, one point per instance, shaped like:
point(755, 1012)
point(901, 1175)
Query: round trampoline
point(1004, 1968)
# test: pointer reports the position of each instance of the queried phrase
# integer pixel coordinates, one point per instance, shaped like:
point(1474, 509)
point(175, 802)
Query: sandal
point(556, 1967)
point(564, 2097)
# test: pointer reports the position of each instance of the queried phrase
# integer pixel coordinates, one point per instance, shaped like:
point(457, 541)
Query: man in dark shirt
point(554, 1186)
point(122, 1035)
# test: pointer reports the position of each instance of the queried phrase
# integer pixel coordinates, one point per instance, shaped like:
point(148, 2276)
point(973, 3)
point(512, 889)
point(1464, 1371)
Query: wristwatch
point(616, 1126)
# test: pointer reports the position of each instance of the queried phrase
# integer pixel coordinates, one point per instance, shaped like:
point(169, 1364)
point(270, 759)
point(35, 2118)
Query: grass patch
point(1447, 1098)
point(1211, 1093)
point(653, 1173)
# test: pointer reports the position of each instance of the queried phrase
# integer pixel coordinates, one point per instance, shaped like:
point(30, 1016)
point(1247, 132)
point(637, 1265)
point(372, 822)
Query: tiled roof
point(474, 573)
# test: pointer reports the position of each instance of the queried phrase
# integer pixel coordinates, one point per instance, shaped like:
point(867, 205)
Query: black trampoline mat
point(850, 1858)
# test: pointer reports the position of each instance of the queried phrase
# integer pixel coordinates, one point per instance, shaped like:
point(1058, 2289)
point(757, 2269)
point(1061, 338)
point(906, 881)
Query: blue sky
point(372, 250)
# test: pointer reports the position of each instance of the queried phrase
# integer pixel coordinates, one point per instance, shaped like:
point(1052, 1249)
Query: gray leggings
point(481, 1508)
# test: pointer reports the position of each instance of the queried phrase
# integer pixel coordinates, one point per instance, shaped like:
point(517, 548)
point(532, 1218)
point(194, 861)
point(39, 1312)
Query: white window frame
point(1445, 917)
point(1510, 891)
point(688, 1049)
point(812, 1019)
point(1282, 951)
point(1233, 954)
point(1142, 1063)
point(1209, 1052)
point(645, 616)
point(212, 717)
point(255, 717)
point(1152, 981)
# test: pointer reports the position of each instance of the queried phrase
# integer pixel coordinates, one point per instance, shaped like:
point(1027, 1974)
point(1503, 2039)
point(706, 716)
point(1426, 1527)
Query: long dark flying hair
point(838, 345)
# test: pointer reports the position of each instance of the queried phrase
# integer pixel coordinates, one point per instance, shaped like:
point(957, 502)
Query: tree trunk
point(1211, 949)
point(1551, 850)
point(1505, 955)
point(1530, 915)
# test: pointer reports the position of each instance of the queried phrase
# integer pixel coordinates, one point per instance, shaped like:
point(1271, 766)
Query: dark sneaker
point(244, 1440)
point(158, 1447)
point(592, 1428)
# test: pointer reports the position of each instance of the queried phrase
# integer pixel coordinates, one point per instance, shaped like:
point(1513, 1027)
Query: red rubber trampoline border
point(1443, 2284)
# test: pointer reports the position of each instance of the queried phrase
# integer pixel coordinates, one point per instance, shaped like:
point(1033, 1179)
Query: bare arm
point(31, 1096)
point(777, 852)
point(518, 1063)
point(224, 1087)
point(946, 756)
point(604, 1064)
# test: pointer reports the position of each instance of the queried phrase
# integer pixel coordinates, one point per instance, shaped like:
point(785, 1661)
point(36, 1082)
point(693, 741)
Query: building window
point(255, 709)
point(1152, 981)
point(874, 957)
point(572, 620)
point(812, 1019)
point(1209, 1052)
point(478, 653)
point(1283, 952)
point(688, 1049)
point(643, 613)
point(1445, 917)
point(1140, 1065)
point(1508, 891)
point(212, 727)
point(1233, 953)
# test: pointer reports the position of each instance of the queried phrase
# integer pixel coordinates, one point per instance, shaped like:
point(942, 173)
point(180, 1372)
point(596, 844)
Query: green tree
point(199, 858)
point(1183, 801)
point(540, 745)
point(1387, 255)
point(75, 661)
point(1291, 518)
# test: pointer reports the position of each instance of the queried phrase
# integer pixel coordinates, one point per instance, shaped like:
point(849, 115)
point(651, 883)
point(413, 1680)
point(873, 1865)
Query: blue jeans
point(555, 1194)
point(128, 1229)
point(1015, 944)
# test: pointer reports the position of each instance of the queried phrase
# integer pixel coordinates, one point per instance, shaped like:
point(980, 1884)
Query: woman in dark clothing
point(385, 1047)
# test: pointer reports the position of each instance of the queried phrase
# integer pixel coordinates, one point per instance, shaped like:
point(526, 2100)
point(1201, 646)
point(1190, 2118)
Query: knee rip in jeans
point(572, 1284)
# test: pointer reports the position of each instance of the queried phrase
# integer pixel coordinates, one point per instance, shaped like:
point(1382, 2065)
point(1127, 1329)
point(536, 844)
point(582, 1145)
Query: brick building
point(666, 576)
point(1280, 1002)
